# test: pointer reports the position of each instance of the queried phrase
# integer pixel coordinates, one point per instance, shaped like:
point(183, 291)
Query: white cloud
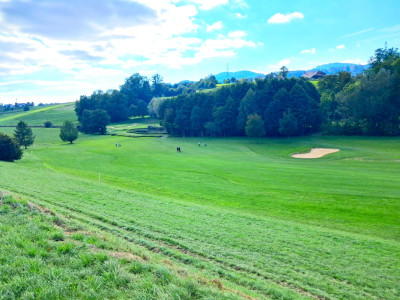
point(111, 53)
point(241, 3)
point(358, 32)
point(237, 34)
point(283, 62)
point(394, 29)
point(209, 4)
point(281, 18)
point(216, 26)
point(358, 61)
point(341, 47)
point(240, 16)
point(309, 51)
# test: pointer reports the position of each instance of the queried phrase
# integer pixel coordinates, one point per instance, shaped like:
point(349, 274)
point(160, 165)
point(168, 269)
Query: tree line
point(368, 104)
point(287, 107)
point(96, 111)
point(341, 104)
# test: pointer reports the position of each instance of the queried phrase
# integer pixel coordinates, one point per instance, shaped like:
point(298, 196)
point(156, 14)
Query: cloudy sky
point(57, 50)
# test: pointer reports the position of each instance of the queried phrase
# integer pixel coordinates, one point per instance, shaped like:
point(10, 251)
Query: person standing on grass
point(199, 144)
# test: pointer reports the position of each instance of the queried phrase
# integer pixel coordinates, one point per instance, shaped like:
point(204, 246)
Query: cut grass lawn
point(244, 213)
point(45, 257)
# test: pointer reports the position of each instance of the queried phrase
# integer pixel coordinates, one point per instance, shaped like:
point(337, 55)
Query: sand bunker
point(315, 153)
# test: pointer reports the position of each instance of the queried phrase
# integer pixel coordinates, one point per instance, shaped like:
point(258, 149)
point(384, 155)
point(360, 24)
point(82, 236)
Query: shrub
point(9, 148)
point(48, 124)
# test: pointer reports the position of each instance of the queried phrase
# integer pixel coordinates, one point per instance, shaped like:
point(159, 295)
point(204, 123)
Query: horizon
point(73, 101)
point(95, 47)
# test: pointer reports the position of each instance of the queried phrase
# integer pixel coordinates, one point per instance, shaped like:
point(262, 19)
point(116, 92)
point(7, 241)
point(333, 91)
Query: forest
point(368, 104)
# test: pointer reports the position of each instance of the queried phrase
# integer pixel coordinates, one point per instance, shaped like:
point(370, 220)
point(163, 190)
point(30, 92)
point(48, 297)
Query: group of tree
point(10, 147)
point(368, 104)
point(131, 100)
point(284, 107)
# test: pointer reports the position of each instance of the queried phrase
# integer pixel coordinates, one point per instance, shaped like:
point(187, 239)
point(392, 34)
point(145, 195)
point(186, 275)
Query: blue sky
point(55, 51)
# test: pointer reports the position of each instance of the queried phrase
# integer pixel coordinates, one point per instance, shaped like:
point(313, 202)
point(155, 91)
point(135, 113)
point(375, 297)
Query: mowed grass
point(37, 115)
point(243, 212)
point(46, 257)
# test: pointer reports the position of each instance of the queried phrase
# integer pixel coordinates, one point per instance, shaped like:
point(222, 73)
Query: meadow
point(240, 213)
point(37, 115)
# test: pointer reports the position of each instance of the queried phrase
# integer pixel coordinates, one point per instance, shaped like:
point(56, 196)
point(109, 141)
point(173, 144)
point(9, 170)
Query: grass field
point(242, 213)
point(57, 114)
point(46, 257)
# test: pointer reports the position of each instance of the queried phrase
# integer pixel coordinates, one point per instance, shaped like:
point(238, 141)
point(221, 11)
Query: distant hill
point(238, 75)
point(334, 68)
point(329, 69)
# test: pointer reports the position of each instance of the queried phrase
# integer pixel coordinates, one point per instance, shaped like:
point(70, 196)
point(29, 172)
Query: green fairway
point(244, 212)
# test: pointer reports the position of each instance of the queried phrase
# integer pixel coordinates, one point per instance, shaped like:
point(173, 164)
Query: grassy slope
point(247, 213)
point(46, 257)
point(57, 114)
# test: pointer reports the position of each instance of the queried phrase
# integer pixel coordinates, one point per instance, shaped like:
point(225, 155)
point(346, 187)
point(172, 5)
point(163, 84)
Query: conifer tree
point(23, 135)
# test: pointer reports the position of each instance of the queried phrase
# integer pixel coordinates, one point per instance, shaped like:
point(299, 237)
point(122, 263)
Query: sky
point(57, 50)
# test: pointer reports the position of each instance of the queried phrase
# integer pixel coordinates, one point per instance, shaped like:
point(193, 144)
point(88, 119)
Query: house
point(313, 75)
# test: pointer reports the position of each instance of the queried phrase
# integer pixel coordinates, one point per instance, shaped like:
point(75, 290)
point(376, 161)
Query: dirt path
point(315, 153)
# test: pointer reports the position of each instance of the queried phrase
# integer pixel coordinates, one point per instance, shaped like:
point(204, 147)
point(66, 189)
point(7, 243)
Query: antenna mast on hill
point(227, 71)
point(386, 45)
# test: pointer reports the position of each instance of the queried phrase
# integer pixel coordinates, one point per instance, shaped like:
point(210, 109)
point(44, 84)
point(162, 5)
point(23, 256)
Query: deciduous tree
point(255, 126)
point(68, 132)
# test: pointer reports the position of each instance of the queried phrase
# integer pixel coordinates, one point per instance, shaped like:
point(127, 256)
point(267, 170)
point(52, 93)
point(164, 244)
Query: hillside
point(235, 218)
point(334, 68)
point(238, 75)
point(37, 115)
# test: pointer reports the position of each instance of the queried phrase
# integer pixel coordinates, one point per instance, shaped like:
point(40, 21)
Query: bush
point(9, 148)
point(48, 124)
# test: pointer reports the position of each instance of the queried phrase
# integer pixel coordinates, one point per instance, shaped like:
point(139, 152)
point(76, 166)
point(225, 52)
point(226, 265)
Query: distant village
point(25, 106)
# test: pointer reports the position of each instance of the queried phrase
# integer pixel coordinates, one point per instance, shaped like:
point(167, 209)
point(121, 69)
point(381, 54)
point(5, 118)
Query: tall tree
point(284, 72)
point(23, 135)
point(288, 124)
point(141, 109)
point(135, 88)
point(68, 132)
point(248, 106)
point(95, 121)
point(255, 126)
point(157, 85)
